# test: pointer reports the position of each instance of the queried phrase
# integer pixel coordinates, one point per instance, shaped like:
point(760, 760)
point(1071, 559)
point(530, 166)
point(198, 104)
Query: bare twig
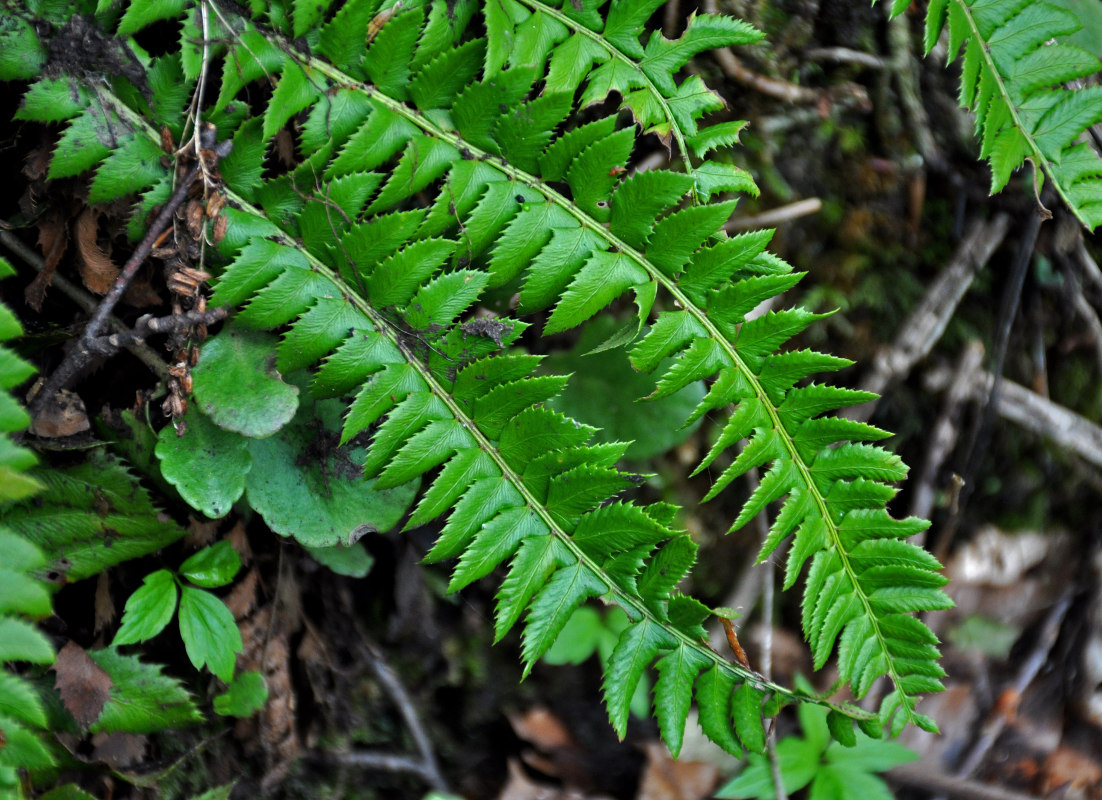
point(1082, 305)
point(79, 355)
point(427, 767)
point(1008, 311)
point(904, 67)
point(929, 777)
point(151, 326)
point(997, 720)
point(920, 332)
point(844, 55)
point(943, 438)
point(143, 352)
point(382, 762)
point(1042, 416)
point(776, 216)
point(1090, 266)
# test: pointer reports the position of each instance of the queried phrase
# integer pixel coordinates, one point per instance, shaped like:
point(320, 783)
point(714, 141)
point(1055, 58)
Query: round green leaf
point(210, 635)
point(246, 695)
point(212, 566)
point(306, 487)
point(207, 465)
point(238, 386)
point(604, 389)
point(149, 609)
point(354, 561)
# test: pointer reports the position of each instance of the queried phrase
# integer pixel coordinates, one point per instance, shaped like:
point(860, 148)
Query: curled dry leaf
point(53, 240)
point(83, 684)
point(105, 604)
point(97, 270)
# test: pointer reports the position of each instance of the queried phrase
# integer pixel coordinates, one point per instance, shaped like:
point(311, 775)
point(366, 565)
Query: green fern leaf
point(552, 607)
point(1013, 79)
point(638, 646)
point(677, 672)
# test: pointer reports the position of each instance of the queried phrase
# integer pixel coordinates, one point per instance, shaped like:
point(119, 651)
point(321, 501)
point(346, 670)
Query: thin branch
point(381, 762)
point(922, 329)
point(775, 216)
point(929, 777)
point(149, 325)
point(999, 716)
point(844, 55)
point(78, 356)
point(944, 435)
point(140, 350)
point(904, 66)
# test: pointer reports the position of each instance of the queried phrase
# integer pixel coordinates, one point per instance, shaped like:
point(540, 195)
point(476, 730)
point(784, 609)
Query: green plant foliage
point(210, 635)
point(238, 387)
point(589, 632)
point(439, 171)
point(89, 517)
point(23, 598)
point(300, 478)
point(142, 699)
point(149, 609)
point(834, 768)
point(246, 695)
point(354, 561)
point(1015, 66)
point(605, 392)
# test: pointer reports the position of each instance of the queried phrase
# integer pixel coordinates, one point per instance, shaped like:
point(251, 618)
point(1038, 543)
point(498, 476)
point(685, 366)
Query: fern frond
point(1014, 76)
point(577, 45)
point(444, 200)
point(22, 594)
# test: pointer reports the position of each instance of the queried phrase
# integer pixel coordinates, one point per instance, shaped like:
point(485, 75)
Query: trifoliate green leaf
point(211, 637)
point(247, 694)
point(212, 566)
point(149, 609)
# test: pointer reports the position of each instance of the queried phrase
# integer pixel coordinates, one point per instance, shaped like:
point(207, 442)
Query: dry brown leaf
point(200, 532)
point(141, 294)
point(53, 240)
point(83, 685)
point(667, 779)
point(118, 750)
point(239, 541)
point(97, 270)
point(63, 415)
point(105, 612)
point(1067, 766)
point(539, 727)
point(242, 598)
